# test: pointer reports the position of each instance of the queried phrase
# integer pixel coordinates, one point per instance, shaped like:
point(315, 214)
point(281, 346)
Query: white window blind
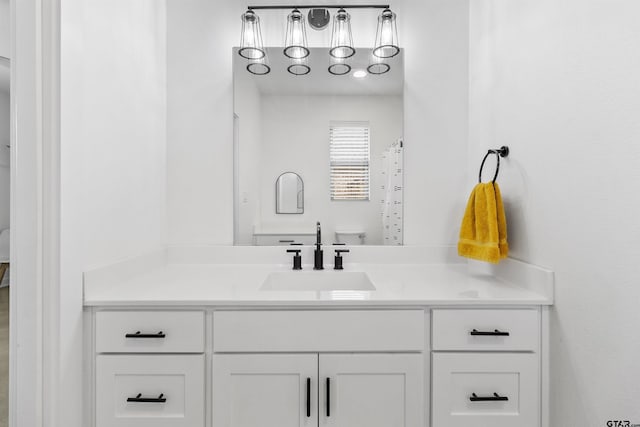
point(349, 158)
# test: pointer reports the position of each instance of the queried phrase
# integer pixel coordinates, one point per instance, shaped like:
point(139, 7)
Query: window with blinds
point(349, 159)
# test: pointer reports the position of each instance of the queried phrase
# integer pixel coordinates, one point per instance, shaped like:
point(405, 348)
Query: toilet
point(351, 236)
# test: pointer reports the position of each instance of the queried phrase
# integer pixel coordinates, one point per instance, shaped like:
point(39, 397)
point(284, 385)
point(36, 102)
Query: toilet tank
point(351, 237)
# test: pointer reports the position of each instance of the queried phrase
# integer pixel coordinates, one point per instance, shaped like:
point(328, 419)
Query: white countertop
point(239, 285)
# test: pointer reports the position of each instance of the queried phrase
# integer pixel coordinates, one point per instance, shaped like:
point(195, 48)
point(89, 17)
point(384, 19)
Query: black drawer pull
point(308, 397)
point(328, 397)
point(287, 241)
point(138, 334)
point(495, 398)
point(495, 333)
point(140, 399)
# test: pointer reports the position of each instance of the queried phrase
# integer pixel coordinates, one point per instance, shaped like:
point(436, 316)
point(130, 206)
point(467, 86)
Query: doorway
point(5, 191)
point(5, 186)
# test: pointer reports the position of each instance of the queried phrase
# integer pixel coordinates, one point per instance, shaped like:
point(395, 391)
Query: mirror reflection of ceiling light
point(358, 74)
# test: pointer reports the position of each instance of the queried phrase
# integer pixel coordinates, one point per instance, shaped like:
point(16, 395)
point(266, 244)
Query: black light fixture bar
point(322, 6)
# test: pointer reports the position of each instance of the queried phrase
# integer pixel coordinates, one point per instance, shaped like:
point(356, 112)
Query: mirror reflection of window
point(349, 153)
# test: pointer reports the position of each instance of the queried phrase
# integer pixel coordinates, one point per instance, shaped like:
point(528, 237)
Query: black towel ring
point(500, 152)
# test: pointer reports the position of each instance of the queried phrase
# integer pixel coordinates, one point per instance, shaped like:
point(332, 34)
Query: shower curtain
point(392, 203)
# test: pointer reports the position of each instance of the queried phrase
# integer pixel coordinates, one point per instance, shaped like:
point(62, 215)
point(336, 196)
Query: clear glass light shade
point(295, 44)
point(341, 39)
point(339, 68)
point(386, 36)
point(378, 68)
point(251, 46)
point(299, 67)
point(260, 66)
point(378, 65)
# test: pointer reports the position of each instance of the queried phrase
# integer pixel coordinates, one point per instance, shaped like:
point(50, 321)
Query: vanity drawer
point(150, 332)
point(150, 390)
point(330, 330)
point(513, 376)
point(475, 330)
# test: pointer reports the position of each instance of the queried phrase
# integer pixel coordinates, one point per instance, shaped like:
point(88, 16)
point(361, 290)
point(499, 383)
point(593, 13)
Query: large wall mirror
point(341, 133)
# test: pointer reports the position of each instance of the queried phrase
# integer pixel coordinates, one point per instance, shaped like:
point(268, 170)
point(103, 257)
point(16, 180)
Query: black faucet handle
point(337, 265)
point(297, 259)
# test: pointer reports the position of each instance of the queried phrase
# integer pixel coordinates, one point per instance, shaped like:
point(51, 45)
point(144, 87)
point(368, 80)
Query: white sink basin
point(325, 280)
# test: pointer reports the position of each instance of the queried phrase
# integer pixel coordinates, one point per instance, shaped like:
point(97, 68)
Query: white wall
point(5, 50)
point(248, 108)
point(5, 29)
point(113, 153)
point(4, 160)
point(558, 83)
point(296, 138)
point(201, 34)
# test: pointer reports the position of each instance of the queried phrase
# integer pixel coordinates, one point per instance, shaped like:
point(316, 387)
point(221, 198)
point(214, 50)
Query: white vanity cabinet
point(296, 390)
point(149, 368)
point(311, 381)
point(318, 367)
point(486, 368)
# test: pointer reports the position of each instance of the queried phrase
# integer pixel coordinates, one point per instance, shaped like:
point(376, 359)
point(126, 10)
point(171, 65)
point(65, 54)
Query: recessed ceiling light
point(358, 74)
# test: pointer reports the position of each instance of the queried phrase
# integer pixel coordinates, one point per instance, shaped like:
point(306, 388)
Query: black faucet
point(317, 254)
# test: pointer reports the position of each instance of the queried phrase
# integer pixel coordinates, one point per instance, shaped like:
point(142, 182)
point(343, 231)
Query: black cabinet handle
point(140, 399)
point(494, 333)
point(287, 241)
point(308, 397)
point(495, 398)
point(138, 334)
point(328, 397)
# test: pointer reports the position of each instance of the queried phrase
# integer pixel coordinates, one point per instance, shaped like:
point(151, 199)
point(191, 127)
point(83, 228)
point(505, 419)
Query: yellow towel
point(483, 234)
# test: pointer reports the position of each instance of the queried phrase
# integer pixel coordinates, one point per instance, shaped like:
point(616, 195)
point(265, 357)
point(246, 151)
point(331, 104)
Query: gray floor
point(4, 356)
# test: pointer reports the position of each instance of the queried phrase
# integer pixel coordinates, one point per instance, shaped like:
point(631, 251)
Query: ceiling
point(319, 81)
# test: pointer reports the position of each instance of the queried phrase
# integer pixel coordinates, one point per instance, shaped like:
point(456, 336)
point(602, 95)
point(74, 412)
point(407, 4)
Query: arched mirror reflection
point(289, 194)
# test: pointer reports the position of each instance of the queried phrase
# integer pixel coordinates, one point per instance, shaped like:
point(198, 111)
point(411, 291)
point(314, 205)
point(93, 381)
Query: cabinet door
point(265, 390)
point(371, 390)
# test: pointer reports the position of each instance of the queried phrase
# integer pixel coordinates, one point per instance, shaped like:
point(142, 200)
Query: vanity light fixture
point(341, 39)
point(251, 46)
point(319, 18)
point(296, 47)
point(295, 44)
point(386, 36)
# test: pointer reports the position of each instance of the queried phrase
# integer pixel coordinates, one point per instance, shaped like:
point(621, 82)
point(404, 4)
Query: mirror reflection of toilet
point(351, 237)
